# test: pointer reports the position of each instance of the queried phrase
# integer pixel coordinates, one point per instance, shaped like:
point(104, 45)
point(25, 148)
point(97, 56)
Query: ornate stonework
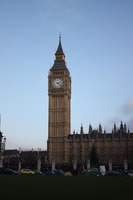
point(64, 147)
point(59, 90)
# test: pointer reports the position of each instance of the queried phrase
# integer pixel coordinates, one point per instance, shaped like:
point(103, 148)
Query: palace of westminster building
point(64, 146)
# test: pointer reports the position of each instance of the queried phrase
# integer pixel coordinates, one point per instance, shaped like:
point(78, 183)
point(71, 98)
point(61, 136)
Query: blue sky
point(97, 38)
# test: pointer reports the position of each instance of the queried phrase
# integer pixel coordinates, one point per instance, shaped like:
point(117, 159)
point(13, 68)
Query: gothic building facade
point(64, 147)
point(116, 147)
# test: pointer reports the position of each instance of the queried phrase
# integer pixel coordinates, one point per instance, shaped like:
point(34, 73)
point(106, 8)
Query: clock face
point(57, 83)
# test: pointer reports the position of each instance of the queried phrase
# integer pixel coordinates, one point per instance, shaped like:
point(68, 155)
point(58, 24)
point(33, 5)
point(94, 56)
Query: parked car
point(130, 174)
point(59, 173)
point(68, 174)
point(92, 173)
point(113, 173)
point(49, 173)
point(27, 172)
point(8, 171)
point(36, 171)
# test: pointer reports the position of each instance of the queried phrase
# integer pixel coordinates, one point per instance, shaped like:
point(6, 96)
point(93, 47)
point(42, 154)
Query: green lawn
point(13, 187)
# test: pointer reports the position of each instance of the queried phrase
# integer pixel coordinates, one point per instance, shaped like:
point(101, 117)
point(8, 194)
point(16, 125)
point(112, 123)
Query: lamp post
point(39, 160)
point(19, 160)
point(126, 158)
point(127, 155)
point(2, 149)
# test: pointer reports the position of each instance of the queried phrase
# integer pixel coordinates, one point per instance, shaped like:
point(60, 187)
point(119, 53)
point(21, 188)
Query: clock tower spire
point(59, 62)
point(59, 49)
point(59, 91)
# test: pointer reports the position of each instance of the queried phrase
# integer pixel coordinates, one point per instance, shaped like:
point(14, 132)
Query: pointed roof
point(59, 49)
point(81, 129)
point(59, 62)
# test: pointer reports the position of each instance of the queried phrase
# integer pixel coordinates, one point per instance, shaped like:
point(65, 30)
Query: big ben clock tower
point(59, 91)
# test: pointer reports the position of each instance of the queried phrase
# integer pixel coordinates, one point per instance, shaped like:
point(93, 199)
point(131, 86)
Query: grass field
point(16, 187)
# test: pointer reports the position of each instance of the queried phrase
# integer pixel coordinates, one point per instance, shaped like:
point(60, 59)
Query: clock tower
point(59, 91)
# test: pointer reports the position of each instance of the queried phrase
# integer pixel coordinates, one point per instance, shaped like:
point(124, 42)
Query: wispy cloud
point(124, 115)
point(53, 3)
point(47, 8)
point(64, 9)
point(128, 106)
point(73, 14)
point(110, 124)
point(130, 124)
point(60, 27)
